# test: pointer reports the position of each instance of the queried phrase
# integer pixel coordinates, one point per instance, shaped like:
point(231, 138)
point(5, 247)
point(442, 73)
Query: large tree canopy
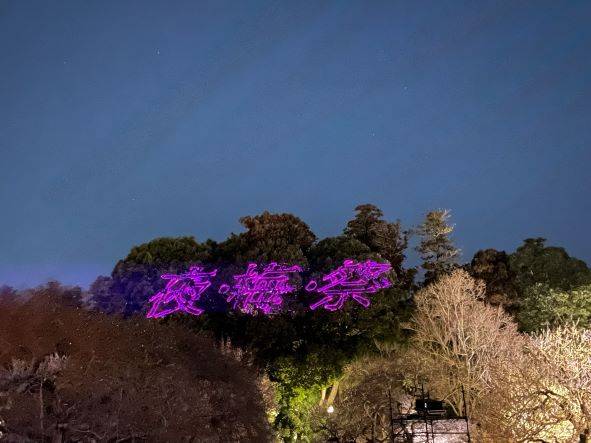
point(543, 306)
point(329, 253)
point(492, 267)
point(269, 237)
point(387, 239)
point(533, 262)
point(137, 277)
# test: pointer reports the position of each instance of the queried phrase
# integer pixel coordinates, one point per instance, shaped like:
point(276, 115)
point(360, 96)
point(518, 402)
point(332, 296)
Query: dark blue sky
point(122, 121)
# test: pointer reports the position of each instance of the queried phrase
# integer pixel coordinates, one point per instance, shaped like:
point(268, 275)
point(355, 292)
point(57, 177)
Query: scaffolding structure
point(410, 429)
point(430, 423)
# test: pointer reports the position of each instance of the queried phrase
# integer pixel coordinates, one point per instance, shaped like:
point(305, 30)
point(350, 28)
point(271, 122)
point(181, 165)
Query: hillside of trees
point(502, 338)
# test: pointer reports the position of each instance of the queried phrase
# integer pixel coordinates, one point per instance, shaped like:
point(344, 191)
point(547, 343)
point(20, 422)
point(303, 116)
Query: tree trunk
point(322, 397)
point(333, 393)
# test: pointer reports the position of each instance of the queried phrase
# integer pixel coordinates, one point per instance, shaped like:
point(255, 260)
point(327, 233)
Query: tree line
point(305, 353)
point(446, 325)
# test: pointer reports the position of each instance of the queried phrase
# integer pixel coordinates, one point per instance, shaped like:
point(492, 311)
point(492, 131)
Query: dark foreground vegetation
point(69, 374)
point(503, 339)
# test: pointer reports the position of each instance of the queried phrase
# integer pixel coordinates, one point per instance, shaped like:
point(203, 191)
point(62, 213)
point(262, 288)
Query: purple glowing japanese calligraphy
point(263, 290)
point(351, 280)
point(260, 291)
point(181, 293)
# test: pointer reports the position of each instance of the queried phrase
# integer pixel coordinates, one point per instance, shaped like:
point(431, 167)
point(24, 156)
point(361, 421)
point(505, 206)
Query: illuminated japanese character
point(351, 280)
point(181, 293)
point(260, 291)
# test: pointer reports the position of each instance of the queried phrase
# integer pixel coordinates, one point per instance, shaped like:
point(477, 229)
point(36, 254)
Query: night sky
point(122, 121)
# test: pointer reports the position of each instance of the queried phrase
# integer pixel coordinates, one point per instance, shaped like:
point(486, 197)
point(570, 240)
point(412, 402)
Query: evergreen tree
point(534, 262)
point(492, 267)
point(437, 250)
point(387, 239)
point(269, 237)
point(542, 306)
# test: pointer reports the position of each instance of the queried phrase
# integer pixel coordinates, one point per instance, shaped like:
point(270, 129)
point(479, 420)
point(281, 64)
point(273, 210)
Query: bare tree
point(518, 387)
point(544, 394)
point(456, 338)
point(371, 394)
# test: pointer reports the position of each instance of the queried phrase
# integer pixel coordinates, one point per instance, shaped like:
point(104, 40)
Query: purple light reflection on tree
point(351, 280)
point(254, 291)
point(181, 293)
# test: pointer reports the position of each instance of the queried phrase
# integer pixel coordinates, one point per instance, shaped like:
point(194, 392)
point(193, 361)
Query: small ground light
point(330, 409)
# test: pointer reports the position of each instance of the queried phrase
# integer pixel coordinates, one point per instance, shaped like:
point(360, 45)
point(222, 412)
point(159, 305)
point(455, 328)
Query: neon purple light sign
point(263, 291)
point(181, 293)
point(254, 291)
point(351, 280)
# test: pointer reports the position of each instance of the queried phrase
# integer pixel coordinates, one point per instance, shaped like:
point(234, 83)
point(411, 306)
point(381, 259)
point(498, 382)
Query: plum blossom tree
point(544, 392)
point(456, 338)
